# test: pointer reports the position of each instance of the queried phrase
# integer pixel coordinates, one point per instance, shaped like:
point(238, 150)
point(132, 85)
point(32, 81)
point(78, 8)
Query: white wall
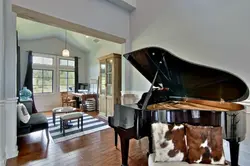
point(88, 63)
point(104, 49)
point(51, 46)
point(95, 14)
point(213, 33)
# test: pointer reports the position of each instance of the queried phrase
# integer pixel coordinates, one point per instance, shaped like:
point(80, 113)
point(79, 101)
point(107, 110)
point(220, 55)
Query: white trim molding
point(11, 100)
point(2, 162)
point(128, 5)
point(11, 149)
point(2, 102)
point(2, 130)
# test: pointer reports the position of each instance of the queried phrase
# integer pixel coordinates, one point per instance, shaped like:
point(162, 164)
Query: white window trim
point(64, 66)
point(45, 56)
point(56, 71)
point(53, 77)
point(61, 67)
point(59, 76)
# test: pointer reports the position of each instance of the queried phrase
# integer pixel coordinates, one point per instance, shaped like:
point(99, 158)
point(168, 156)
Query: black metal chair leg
point(81, 123)
point(60, 125)
point(54, 118)
point(63, 127)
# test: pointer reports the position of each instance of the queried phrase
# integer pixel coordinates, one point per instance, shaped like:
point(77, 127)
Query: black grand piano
point(181, 92)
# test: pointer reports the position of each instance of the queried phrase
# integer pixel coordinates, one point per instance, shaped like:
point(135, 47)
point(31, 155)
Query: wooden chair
point(67, 99)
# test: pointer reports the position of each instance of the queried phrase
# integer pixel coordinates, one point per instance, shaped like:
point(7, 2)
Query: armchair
point(37, 121)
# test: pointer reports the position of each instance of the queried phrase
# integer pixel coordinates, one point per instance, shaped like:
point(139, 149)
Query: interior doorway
point(46, 36)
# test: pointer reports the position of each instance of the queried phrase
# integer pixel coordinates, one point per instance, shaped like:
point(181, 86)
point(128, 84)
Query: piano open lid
point(185, 79)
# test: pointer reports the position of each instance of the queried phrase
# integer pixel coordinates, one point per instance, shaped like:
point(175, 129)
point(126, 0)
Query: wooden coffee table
point(63, 110)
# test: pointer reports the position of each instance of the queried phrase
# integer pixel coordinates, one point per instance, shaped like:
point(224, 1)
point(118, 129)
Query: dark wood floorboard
point(96, 149)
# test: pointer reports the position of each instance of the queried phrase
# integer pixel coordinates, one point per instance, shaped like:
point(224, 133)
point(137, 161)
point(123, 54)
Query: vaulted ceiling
point(30, 30)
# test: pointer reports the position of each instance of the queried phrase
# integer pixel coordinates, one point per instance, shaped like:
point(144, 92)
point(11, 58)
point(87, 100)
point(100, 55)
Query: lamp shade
point(65, 52)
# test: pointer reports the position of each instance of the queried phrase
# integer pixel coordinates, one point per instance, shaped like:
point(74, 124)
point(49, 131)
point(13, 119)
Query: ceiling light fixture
point(65, 52)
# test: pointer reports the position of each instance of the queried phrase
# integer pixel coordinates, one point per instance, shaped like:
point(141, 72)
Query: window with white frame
point(42, 60)
point(67, 81)
point(67, 62)
point(42, 81)
point(53, 74)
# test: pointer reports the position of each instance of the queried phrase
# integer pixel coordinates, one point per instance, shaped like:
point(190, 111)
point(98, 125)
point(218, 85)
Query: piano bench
point(183, 163)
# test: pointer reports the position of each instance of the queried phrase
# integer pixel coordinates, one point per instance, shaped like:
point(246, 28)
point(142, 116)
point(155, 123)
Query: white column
point(2, 114)
point(2, 135)
point(10, 81)
point(126, 67)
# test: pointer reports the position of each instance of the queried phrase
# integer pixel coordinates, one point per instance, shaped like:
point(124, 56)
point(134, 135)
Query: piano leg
point(124, 150)
point(116, 135)
point(234, 152)
point(150, 146)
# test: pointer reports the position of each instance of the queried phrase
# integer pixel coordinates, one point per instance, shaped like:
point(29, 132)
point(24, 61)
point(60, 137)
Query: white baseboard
point(11, 153)
point(46, 108)
point(3, 162)
point(103, 117)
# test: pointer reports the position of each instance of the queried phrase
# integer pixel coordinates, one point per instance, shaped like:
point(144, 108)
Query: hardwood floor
point(96, 149)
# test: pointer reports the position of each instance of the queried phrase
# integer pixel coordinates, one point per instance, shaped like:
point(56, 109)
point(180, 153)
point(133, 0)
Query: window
point(66, 62)
point(42, 60)
point(67, 81)
point(52, 74)
point(42, 81)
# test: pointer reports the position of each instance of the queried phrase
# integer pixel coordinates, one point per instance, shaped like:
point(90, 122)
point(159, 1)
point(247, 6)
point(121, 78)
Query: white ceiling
point(30, 30)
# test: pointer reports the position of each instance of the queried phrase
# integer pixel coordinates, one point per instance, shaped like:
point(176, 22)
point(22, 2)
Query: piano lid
point(186, 79)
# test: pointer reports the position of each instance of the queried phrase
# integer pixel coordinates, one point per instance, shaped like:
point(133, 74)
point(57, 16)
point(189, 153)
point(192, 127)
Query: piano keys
point(181, 92)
